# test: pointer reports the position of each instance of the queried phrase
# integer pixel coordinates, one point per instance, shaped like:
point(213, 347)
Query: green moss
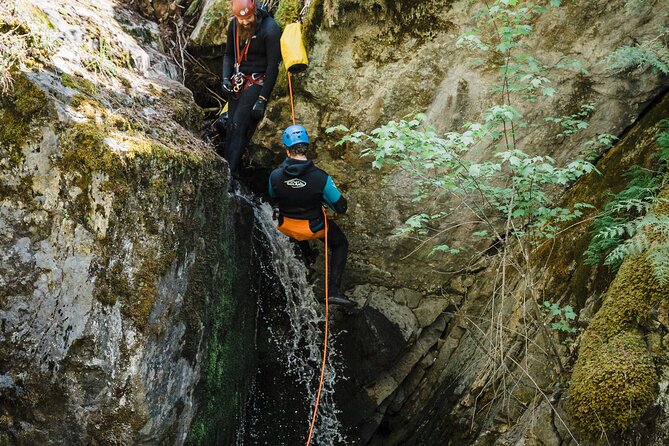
point(21, 192)
point(614, 379)
point(78, 82)
point(18, 111)
point(142, 34)
point(613, 384)
point(143, 151)
point(84, 153)
point(193, 8)
point(83, 150)
point(190, 116)
point(288, 12)
point(138, 306)
point(629, 302)
point(216, 299)
point(281, 86)
point(42, 17)
point(111, 284)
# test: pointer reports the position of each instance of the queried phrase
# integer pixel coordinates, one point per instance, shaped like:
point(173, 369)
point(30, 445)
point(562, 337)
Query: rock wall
point(380, 61)
point(124, 284)
point(458, 395)
point(416, 352)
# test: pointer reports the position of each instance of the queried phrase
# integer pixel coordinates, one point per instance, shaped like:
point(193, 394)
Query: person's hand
point(258, 110)
point(226, 85)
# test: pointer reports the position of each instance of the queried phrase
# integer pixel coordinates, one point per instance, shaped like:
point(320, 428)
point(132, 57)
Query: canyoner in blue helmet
point(300, 190)
point(295, 134)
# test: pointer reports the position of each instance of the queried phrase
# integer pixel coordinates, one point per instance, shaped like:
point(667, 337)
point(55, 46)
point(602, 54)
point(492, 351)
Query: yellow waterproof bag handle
point(292, 49)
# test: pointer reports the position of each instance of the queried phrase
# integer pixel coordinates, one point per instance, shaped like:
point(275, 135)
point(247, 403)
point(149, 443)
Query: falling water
point(302, 345)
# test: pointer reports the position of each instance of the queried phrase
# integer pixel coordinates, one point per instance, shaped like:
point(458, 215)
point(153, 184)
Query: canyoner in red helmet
point(250, 67)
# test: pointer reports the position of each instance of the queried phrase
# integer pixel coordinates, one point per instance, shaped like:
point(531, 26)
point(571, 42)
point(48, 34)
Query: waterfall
point(300, 343)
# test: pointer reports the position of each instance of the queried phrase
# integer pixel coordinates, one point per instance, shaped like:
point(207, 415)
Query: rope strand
point(325, 341)
point(292, 105)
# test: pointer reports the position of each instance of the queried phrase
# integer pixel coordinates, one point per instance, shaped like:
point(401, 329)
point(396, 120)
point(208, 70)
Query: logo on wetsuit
point(296, 183)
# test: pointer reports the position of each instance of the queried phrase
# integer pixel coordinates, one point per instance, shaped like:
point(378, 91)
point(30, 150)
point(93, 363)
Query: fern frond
point(663, 142)
point(650, 54)
point(659, 260)
point(617, 255)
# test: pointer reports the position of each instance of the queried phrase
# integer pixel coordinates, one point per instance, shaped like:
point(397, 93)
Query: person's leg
point(338, 245)
point(232, 109)
point(239, 122)
point(310, 254)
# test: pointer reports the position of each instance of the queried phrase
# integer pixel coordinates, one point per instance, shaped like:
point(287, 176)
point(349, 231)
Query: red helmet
point(243, 9)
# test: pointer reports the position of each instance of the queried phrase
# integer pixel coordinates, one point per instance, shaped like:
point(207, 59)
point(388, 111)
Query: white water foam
point(304, 352)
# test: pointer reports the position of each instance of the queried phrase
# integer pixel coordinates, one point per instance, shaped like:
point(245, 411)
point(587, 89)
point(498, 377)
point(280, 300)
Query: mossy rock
point(613, 385)
point(211, 29)
point(615, 380)
point(26, 103)
point(288, 12)
point(629, 302)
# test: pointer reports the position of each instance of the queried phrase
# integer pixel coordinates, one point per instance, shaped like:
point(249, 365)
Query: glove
point(226, 85)
point(258, 110)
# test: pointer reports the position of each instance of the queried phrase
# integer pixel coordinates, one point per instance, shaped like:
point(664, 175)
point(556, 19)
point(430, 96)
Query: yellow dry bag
point(292, 49)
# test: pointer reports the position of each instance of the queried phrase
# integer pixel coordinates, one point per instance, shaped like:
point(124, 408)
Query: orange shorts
point(299, 229)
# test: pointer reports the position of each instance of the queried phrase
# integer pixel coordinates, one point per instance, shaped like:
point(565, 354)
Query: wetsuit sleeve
point(273, 48)
point(333, 198)
point(270, 189)
point(229, 55)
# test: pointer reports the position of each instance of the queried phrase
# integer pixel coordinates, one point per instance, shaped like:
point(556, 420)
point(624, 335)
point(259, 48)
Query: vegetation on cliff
point(509, 205)
point(615, 379)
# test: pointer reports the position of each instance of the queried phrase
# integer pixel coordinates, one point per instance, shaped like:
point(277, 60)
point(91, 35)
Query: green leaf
point(569, 313)
point(548, 91)
point(337, 128)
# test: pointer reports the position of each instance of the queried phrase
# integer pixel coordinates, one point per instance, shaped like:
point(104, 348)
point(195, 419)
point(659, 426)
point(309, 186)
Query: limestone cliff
point(118, 257)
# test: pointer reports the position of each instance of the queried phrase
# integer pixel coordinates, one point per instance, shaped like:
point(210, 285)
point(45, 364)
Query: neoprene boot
point(342, 300)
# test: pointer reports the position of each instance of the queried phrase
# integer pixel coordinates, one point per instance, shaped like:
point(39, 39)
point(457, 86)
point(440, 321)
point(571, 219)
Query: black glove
point(258, 110)
point(226, 85)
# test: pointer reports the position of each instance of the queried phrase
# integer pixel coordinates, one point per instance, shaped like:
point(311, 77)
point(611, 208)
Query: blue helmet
point(295, 134)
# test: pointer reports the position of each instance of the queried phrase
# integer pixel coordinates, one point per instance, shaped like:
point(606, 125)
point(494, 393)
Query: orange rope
point(240, 55)
point(290, 89)
point(325, 341)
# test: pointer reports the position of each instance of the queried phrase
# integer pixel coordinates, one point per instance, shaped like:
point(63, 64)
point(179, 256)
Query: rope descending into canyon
point(292, 104)
point(325, 341)
point(325, 219)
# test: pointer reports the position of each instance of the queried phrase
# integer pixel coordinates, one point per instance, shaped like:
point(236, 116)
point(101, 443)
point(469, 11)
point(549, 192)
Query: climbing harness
point(239, 80)
point(325, 340)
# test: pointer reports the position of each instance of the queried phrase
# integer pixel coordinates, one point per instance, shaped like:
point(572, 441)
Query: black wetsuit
point(263, 57)
point(300, 189)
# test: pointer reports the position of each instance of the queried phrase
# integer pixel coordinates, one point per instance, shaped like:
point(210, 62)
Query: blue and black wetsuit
point(300, 189)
